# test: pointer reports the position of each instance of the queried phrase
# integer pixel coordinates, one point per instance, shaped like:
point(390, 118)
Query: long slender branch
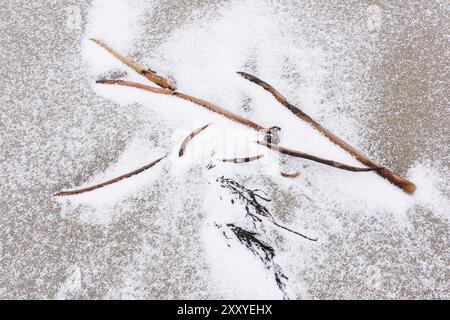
point(205, 104)
point(149, 74)
point(400, 182)
point(262, 250)
point(303, 155)
point(103, 184)
point(189, 138)
point(293, 231)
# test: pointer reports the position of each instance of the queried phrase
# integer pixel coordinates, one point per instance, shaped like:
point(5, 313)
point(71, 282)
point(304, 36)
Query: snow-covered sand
point(155, 235)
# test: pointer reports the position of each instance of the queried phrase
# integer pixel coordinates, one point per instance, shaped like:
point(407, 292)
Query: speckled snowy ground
point(374, 72)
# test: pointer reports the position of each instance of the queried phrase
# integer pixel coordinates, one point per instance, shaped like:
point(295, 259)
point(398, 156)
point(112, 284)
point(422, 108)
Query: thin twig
point(189, 138)
point(243, 160)
point(103, 184)
point(303, 155)
point(253, 207)
point(400, 182)
point(290, 175)
point(293, 231)
point(210, 165)
point(149, 74)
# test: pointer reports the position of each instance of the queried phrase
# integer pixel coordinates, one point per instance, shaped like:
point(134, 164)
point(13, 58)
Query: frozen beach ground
point(375, 73)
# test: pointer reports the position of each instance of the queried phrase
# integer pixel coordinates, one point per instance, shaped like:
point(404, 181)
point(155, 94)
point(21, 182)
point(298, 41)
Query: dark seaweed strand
point(264, 252)
point(384, 172)
point(249, 197)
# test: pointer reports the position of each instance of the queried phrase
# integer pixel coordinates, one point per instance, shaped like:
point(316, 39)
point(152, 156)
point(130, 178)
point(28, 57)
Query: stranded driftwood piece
point(189, 138)
point(243, 160)
point(290, 175)
point(400, 182)
point(117, 179)
point(232, 116)
point(149, 74)
point(298, 154)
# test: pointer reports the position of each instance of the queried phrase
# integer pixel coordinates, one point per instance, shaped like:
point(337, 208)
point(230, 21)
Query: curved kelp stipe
point(299, 154)
point(205, 104)
point(290, 175)
point(189, 138)
point(103, 184)
point(400, 182)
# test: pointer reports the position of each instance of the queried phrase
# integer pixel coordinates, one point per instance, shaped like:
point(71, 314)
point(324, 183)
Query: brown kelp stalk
point(227, 114)
point(400, 182)
point(298, 154)
point(103, 184)
point(149, 74)
point(189, 138)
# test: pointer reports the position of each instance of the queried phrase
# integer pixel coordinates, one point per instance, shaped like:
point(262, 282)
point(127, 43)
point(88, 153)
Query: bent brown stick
point(230, 115)
point(189, 138)
point(303, 155)
point(243, 160)
point(290, 175)
point(400, 182)
point(149, 74)
point(101, 185)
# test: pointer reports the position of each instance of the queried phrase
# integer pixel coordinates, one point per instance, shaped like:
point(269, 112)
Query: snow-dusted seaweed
point(400, 182)
point(254, 209)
